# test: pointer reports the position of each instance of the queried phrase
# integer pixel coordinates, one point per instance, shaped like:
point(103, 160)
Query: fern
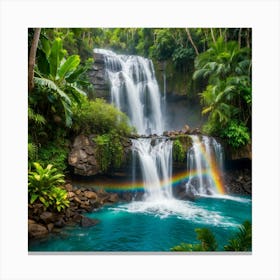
point(32, 151)
point(36, 118)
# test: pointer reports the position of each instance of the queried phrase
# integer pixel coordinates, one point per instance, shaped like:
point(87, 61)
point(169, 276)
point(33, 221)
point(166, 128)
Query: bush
point(178, 151)
point(98, 117)
point(237, 134)
point(44, 185)
point(55, 153)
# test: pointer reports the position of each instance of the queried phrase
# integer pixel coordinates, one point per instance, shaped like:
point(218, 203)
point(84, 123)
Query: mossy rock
point(181, 145)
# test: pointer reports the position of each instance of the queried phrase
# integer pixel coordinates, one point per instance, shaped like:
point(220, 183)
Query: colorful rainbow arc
point(213, 172)
point(176, 179)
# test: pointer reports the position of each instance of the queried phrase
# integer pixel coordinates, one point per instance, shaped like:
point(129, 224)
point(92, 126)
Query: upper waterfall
point(134, 90)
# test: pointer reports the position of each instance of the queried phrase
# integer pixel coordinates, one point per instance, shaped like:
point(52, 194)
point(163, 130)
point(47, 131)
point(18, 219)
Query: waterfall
point(134, 90)
point(205, 163)
point(156, 167)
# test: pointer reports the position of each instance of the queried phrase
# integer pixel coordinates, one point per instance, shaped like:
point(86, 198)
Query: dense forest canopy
point(218, 60)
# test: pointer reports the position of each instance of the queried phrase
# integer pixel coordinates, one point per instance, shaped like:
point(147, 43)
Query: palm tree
point(242, 241)
point(207, 242)
point(228, 93)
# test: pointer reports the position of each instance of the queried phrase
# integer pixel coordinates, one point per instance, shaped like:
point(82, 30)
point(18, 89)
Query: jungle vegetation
point(61, 100)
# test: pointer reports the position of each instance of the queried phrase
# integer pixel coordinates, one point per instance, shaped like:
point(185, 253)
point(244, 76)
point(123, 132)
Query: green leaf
point(46, 46)
point(79, 90)
point(51, 85)
point(68, 67)
point(42, 63)
point(75, 75)
point(33, 198)
point(207, 110)
point(55, 57)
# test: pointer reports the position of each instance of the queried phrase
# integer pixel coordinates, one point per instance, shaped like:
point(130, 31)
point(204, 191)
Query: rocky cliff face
point(98, 77)
point(82, 156)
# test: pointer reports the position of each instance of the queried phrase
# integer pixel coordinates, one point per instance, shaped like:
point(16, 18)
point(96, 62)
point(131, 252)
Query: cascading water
point(134, 90)
point(205, 163)
point(156, 166)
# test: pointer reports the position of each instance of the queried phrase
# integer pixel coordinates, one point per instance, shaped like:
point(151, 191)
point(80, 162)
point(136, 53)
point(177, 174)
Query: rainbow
point(174, 181)
point(213, 172)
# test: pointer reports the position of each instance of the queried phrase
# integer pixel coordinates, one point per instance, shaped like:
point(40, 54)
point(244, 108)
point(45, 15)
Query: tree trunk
point(32, 58)
point(212, 34)
point(248, 38)
point(190, 39)
point(239, 37)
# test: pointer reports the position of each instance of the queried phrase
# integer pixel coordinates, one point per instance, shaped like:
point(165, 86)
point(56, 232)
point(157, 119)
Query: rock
point(126, 196)
point(78, 191)
point(47, 217)
point(50, 227)
point(98, 58)
point(96, 204)
point(76, 199)
point(71, 194)
point(196, 131)
point(85, 207)
point(82, 156)
point(186, 129)
point(77, 218)
point(60, 223)
point(36, 230)
point(88, 222)
point(113, 198)
point(68, 187)
point(90, 195)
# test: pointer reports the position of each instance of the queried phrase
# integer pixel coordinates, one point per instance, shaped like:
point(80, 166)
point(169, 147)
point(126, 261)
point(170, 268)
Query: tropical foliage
point(109, 150)
point(227, 97)
point(207, 242)
point(44, 185)
point(219, 59)
point(98, 117)
point(57, 78)
point(178, 151)
point(241, 241)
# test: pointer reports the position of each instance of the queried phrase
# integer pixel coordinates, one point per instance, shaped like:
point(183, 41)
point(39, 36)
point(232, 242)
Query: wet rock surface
point(238, 181)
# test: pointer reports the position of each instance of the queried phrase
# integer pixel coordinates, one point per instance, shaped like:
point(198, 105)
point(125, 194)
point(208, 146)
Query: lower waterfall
point(205, 163)
point(156, 167)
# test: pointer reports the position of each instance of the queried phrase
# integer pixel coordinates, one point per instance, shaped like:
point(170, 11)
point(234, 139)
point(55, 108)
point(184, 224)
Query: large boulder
point(88, 222)
point(48, 217)
point(90, 195)
point(36, 230)
point(82, 156)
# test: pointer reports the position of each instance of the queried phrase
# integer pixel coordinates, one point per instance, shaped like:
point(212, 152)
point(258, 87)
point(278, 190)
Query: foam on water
point(184, 210)
point(228, 197)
